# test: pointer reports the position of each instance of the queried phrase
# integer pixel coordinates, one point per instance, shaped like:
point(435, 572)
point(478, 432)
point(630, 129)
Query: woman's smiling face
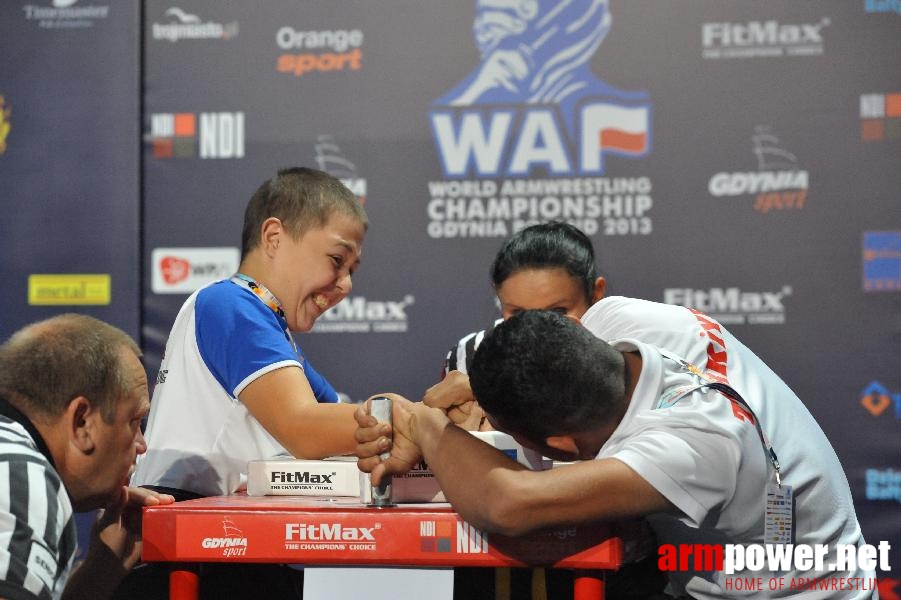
point(314, 271)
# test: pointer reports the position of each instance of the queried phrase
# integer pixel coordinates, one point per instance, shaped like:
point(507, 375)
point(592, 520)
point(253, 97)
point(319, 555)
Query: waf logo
point(202, 135)
point(878, 400)
point(444, 536)
point(533, 104)
point(525, 137)
point(232, 542)
point(880, 116)
point(778, 184)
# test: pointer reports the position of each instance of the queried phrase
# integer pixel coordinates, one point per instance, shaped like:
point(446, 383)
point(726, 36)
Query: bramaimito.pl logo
point(774, 567)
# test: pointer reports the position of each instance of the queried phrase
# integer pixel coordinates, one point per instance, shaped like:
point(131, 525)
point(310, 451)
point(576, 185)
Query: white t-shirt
point(200, 436)
point(695, 460)
point(710, 463)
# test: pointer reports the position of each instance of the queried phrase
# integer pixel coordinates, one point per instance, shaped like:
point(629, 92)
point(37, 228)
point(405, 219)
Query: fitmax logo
point(757, 33)
point(300, 477)
point(328, 532)
point(732, 306)
point(360, 309)
point(728, 300)
point(359, 315)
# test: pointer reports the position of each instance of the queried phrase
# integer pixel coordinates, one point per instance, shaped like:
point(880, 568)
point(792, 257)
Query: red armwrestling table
point(342, 531)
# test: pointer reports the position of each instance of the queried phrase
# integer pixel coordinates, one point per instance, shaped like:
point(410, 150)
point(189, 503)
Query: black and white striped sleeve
point(37, 529)
point(459, 358)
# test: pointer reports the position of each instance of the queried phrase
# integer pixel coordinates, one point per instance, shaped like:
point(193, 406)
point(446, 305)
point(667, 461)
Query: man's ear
point(563, 443)
point(600, 288)
point(270, 234)
point(80, 416)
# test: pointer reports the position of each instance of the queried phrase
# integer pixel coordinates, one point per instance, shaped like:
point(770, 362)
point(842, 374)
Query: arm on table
point(284, 404)
point(115, 545)
point(492, 491)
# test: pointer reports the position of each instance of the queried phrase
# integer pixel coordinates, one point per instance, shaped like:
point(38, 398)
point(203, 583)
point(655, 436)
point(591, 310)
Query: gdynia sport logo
point(777, 567)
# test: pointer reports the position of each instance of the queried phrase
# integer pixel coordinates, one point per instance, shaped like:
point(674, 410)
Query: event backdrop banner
point(69, 164)
point(740, 158)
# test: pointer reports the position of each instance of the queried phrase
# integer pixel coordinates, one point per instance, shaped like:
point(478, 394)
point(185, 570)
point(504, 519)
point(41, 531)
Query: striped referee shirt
point(459, 358)
point(37, 528)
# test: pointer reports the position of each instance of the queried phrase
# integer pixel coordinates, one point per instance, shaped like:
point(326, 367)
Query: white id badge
point(778, 529)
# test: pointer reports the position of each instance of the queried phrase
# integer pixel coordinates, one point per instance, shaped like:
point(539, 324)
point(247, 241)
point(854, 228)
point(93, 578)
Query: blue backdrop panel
point(70, 80)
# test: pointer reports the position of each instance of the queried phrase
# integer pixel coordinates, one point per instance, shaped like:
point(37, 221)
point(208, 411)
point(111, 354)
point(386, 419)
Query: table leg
point(184, 583)
point(502, 583)
point(588, 585)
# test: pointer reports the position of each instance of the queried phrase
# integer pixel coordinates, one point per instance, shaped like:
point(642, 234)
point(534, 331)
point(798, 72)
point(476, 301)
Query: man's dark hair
point(548, 246)
point(302, 198)
point(540, 374)
point(47, 364)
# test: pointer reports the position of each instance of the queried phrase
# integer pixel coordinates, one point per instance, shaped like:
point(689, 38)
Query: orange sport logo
point(318, 51)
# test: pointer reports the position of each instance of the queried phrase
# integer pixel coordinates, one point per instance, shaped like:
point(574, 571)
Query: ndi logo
point(471, 540)
point(207, 134)
point(880, 116)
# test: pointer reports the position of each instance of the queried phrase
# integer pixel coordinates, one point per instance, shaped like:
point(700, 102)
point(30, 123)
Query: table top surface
point(341, 530)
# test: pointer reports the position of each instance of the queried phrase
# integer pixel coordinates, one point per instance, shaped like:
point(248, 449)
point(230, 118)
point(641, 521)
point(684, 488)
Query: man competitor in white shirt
point(654, 437)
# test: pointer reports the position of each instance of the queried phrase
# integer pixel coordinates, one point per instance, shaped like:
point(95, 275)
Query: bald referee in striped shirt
point(72, 396)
